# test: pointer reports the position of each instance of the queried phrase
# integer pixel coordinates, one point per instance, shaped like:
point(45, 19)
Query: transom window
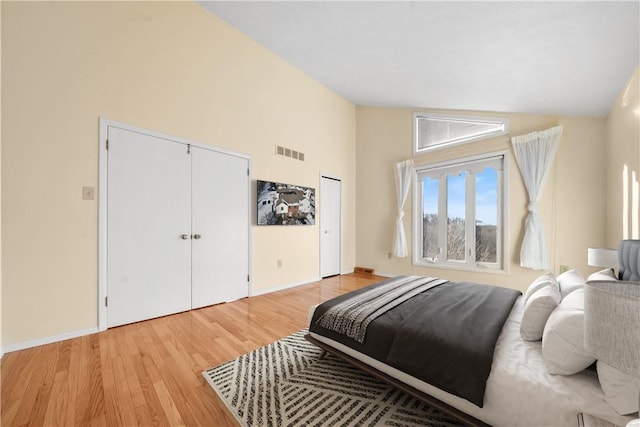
point(459, 214)
point(432, 131)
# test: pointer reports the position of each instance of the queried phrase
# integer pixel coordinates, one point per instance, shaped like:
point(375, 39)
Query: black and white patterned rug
point(287, 384)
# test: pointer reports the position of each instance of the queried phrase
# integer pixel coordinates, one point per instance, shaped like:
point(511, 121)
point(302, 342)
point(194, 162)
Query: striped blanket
point(352, 316)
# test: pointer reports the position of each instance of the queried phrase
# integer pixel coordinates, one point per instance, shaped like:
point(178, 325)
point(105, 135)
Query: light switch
point(87, 193)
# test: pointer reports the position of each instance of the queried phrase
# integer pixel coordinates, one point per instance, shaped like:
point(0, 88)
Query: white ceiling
point(569, 58)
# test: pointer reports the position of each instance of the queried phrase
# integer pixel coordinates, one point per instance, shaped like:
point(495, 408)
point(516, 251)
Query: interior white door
point(330, 226)
point(148, 227)
point(220, 230)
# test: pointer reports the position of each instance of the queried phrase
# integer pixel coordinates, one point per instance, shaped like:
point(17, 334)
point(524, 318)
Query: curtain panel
point(404, 174)
point(534, 154)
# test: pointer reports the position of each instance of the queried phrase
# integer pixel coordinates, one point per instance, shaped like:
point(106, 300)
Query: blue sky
point(486, 196)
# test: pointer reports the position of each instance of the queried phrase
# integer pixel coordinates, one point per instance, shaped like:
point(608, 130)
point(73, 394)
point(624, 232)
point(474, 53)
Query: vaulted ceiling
point(540, 57)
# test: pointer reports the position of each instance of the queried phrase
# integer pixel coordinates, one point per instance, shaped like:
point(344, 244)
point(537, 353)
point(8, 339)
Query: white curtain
point(534, 154)
point(404, 171)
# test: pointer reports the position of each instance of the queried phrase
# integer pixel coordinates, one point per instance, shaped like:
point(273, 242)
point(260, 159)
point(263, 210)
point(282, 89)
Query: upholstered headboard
point(629, 260)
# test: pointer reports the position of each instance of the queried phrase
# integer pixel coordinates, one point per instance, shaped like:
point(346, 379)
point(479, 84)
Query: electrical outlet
point(279, 263)
point(564, 268)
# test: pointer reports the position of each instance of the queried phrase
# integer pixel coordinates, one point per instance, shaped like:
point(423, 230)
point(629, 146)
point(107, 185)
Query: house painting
point(285, 204)
point(293, 205)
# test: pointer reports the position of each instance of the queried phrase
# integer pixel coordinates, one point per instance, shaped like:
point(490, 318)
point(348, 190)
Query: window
point(459, 214)
point(432, 131)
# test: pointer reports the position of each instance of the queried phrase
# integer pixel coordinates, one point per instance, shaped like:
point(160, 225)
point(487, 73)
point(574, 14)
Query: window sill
point(460, 267)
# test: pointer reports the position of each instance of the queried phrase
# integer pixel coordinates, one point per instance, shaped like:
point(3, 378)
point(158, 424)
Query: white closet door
point(220, 218)
point(330, 227)
point(148, 210)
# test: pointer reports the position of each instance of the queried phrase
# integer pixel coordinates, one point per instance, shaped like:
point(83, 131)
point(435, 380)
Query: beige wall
point(571, 207)
point(166, 66)
point(623, 164)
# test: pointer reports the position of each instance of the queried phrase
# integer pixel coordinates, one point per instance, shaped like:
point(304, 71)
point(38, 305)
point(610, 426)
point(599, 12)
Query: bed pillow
point(606, 274)
point(542, 281)
point(563, 338)
point(620, 390)
point(537, 310)
point(570, 281)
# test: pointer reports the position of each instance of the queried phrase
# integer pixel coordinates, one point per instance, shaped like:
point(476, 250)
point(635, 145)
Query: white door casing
point(330, 225)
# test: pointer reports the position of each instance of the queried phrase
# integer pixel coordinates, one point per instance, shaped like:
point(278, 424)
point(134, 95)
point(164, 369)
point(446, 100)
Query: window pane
point(456, 187)
point(486, 215)
point(438, 131)
point(446, 207)
point(430, 218)
point(434, 130)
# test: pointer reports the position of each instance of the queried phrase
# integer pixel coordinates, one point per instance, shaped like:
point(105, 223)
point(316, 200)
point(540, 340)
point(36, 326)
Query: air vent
point(289, 152)
point(364, 270)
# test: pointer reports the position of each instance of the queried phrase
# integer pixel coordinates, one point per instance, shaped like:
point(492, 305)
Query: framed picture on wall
point(285, 204)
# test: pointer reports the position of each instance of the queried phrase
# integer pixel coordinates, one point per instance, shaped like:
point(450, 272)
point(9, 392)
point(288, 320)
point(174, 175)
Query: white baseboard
point(48, 340)
point(256, 292)
point(75, 334)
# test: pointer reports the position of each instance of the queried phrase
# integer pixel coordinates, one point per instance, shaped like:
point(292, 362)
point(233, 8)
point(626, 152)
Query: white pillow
point(563, 338)
point(620, 390)
point(537, 310)
point(570, 281)
point(606, 274)
point(542, 281)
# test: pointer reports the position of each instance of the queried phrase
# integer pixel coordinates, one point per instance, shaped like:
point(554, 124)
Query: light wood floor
point(149, 373)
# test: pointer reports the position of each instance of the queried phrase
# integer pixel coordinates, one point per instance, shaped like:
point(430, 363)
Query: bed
point(520, 390)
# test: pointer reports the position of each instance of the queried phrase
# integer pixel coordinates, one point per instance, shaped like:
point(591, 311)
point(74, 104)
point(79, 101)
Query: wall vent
point(289, 152)
point(364, 270)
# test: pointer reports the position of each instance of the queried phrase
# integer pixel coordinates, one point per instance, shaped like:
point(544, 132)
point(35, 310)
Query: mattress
point(520, 391)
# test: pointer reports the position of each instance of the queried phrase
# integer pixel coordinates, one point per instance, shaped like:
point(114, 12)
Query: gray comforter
point(444, 336)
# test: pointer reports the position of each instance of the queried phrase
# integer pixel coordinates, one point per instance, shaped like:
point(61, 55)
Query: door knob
point(196, 236)
point(185, 236)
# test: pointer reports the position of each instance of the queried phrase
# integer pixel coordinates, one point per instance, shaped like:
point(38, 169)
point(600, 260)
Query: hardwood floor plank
point(207, 410)
point(36, 396)
point(168, 405)
point(64, 356)
point(57, 408)
point(122, 394)
point(152, 402)
point(18, 374)
point(96, 390)
point(80, 371)
point(101, 421)
point(149, 373)
point(143, 416)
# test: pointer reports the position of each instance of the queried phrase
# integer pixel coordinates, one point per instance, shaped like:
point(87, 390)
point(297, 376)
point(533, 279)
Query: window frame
point(502, 226)
point(458, 141)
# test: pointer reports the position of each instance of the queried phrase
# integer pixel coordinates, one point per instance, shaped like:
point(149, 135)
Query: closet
point(177, 225)
point(330, 225)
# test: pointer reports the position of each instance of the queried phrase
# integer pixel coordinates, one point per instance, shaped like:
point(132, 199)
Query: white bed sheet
point(520, 391)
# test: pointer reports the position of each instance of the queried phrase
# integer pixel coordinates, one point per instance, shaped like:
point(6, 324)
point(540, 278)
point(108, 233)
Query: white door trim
point(102, 203)
point(337, 178)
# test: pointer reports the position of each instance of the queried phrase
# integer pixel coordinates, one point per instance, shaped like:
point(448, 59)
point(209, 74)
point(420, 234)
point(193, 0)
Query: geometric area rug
point(286, 384)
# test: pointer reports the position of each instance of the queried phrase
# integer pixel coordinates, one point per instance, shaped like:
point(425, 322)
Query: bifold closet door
point(220, 207)
point(149, 227)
